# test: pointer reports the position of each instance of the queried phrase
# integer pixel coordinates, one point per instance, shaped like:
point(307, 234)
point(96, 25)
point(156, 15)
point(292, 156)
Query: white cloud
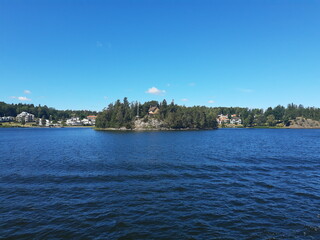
point(27, 91)
point(24, 99)
point(211, 101)
point(105, 97)
point(155, 91)
point(21, 98)
point(184, 100)
point(192, 84)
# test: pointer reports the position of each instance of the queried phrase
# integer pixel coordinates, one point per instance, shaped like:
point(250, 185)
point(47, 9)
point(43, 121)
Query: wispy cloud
point(21, 98)
point(27, 91)
point(155, 91)
point(245, 90)
point(168, 85)
point(105, 45)
point(184, 100)
point(211, 101)
point(105, 97)
point(192, 84)
point(99, 44)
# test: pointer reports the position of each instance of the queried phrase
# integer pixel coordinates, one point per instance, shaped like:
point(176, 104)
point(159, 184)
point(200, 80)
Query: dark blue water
point(222, 184)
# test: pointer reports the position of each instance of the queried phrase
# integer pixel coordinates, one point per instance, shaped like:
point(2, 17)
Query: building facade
point(27, 117)
point(6, 119)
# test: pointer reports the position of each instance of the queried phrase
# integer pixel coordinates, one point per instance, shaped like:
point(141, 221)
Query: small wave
point(308, 195)
point(264, 184)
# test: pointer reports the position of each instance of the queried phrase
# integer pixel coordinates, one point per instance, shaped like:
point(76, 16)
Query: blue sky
point(86, 54)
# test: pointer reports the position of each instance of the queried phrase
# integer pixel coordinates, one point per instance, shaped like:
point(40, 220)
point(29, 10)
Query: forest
point(122, 114)
point(278, 115)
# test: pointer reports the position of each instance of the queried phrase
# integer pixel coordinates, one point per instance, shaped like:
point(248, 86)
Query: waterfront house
point(235, 120)
point(92, 119)
point(88, 122)
point(74, 121)
point(27, 117)
point(47, 123)
point(223, 119)
point(6, 119)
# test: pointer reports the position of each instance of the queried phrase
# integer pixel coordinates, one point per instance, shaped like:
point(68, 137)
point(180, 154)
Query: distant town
point(25, 117)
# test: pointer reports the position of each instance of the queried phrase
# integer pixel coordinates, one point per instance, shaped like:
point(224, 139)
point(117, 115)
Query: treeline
point(41, 111)
point(278, 115)
point(123, 114)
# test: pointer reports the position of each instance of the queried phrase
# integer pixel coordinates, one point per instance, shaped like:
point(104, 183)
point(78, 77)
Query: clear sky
point(84, 54)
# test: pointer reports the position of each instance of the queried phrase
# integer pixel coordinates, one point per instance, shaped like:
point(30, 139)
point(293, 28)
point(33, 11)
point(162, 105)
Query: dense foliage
point(271, 116)
point(122, 114)
point(41, 111)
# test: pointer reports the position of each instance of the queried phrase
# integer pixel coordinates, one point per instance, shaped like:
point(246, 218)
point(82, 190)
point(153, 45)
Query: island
point(153, 115)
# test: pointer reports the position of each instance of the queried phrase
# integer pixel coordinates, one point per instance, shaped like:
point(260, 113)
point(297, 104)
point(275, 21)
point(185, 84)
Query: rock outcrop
point(148, 124)
point(301, 122)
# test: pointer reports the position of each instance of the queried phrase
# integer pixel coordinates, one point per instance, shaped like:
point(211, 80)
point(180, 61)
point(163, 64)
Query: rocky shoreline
point(150, 124)
point(301, 122)
point(152, 129)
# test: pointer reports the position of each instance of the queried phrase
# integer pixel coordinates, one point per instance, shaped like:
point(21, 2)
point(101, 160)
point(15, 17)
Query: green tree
point(271, 121)
point(248, 122)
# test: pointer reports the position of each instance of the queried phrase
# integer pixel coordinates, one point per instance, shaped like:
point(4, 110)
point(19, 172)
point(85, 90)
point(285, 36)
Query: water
point(222, 184)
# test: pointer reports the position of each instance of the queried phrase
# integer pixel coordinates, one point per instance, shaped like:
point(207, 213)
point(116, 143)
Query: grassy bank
point(34, 125)
point(16, 125)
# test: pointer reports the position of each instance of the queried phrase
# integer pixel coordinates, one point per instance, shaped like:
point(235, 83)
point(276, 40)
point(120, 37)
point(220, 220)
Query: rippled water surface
point(221, 184)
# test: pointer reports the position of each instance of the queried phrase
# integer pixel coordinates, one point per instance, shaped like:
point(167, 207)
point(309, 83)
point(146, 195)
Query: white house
point(28, 117)
point(75, 121)
point(235, 120)
point(89, 121)
point(47, 123)
point(6, 119)
point(86, 121)
point(92, 119)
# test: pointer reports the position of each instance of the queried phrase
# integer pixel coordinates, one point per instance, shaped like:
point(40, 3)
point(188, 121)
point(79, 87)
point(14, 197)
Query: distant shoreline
point(28, 126)
point(152, 129)
point(193, 129)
